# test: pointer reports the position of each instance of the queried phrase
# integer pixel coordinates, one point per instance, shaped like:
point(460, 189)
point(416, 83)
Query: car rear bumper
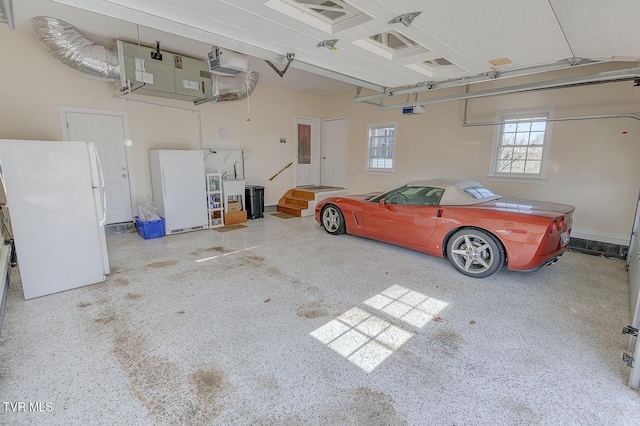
point(546, 262)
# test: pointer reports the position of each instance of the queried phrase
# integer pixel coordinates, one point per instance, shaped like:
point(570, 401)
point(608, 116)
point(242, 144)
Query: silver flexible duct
point(234, 88)
point(72, 48)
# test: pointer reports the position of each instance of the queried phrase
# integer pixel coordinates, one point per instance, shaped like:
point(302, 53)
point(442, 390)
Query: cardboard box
point(232, 218)
point(234, 206)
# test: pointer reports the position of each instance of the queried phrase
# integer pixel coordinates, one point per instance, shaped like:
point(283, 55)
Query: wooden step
point(304, 194)
point(292, 210)
point(291, 200)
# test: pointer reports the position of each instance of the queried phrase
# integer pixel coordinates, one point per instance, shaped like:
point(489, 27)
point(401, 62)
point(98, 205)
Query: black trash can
point(254, 200)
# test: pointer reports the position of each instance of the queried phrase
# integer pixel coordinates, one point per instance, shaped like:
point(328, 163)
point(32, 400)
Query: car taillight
point(561, 223)
point(553, 227)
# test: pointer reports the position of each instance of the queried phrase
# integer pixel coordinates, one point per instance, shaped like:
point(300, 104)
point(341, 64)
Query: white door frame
point(316, 141)
point(127, 149)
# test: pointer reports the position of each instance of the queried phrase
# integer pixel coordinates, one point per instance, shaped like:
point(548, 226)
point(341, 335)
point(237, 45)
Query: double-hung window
point(380, 147)
point(521, 148)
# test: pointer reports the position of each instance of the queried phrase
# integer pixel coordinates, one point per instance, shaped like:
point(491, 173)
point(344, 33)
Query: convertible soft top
point(458, 192)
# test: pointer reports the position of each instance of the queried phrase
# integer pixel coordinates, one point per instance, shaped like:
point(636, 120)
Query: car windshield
point(412, 195)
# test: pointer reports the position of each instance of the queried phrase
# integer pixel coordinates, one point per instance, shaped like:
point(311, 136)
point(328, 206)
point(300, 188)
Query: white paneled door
point(308, 151)
point(334, 152)
point(108, 132)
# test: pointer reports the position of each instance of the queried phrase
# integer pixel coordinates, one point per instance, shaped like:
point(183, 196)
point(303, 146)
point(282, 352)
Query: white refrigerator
point(56, 199)
point(179, 189)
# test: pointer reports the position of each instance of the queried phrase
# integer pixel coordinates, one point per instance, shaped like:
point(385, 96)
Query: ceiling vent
point(434, 67)
point(391, 45)
point(329, 16)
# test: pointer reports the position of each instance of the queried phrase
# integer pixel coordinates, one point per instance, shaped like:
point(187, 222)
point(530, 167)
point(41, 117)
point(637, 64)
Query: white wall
point(34, 85)
point(593, 165)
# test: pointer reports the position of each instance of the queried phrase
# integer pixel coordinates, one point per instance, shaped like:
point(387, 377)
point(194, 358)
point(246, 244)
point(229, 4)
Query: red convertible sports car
point(476, 229)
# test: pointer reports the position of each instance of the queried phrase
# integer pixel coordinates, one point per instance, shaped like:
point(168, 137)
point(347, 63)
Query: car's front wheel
point(475, 253)
point(332, 219)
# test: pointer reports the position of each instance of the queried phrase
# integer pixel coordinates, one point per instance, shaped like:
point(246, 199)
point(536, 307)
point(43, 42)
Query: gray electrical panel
point(150, 71)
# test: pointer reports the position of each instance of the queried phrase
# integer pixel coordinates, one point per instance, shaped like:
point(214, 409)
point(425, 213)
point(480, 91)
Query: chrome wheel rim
point(472, 254)
point(331, 219)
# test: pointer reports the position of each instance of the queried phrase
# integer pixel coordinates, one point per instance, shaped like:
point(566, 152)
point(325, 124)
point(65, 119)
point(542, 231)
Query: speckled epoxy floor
point(280, 323)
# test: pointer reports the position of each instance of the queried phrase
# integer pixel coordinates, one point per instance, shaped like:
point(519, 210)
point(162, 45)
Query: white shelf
point(215, 207)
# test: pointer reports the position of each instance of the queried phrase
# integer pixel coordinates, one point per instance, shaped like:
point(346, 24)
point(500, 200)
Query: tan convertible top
point(454, 191)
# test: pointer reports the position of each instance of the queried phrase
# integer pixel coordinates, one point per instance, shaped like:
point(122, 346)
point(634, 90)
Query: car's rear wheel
point(332, 219)
point(475, 253)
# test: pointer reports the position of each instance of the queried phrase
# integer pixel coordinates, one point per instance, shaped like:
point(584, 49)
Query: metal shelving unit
point(215, 205)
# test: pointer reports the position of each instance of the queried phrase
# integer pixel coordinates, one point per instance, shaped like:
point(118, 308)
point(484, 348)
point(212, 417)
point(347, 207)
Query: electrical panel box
point(169, 75)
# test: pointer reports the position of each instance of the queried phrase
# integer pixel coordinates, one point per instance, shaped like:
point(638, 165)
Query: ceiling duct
point(174, 77)
point(73, 49)
point(234, 88)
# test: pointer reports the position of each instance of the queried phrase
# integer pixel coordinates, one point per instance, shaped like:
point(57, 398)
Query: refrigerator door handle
point(102, 187)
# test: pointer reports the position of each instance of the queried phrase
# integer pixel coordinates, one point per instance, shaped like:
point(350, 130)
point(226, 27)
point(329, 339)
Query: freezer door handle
point(101, 186)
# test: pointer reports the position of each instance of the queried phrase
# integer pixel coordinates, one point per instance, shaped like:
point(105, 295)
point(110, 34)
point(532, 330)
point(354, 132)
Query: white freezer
point(179, 189)
point(55, 196)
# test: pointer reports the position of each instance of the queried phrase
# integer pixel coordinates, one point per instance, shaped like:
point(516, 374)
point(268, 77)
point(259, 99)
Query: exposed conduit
point(635, 115)
point(73, 49)
point(465, 123)
point(601, 78)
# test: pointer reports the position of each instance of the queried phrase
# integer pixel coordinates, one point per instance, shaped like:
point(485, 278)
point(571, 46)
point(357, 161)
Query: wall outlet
point(283, 140)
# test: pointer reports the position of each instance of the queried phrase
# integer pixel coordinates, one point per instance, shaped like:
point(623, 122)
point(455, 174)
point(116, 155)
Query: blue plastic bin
point(151, 229)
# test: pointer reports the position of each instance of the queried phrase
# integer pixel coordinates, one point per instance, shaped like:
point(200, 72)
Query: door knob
point(124, 175)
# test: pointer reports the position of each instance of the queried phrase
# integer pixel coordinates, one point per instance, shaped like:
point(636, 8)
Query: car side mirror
point(383, 202)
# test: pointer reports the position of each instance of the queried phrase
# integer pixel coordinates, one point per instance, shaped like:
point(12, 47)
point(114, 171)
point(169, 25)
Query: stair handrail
point(282, 170)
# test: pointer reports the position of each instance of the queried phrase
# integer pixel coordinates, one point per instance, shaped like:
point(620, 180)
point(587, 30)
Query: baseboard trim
point(598, 248)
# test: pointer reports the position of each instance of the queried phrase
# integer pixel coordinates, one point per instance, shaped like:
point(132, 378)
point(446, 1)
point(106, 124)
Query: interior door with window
point(308, 151)
point(107, 132)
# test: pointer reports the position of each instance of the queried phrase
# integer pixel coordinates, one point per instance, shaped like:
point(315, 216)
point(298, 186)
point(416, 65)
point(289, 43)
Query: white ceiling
point(467, 34)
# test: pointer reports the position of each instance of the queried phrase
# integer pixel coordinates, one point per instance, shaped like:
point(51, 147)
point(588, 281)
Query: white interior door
point(108, 132)
point(334, 152)
point(308, 151)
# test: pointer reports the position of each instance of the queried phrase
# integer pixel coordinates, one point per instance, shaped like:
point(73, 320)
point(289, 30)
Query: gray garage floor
point(280, 323)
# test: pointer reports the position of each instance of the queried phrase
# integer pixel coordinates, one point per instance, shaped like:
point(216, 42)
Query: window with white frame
point(380, 147)
point(521, 149)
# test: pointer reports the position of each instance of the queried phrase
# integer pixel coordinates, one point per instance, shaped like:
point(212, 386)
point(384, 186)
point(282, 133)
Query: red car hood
point(516, 205)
